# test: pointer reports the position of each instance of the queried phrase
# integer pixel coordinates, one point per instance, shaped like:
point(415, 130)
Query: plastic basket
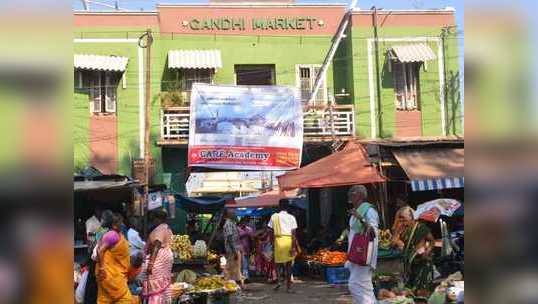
point(336, 275)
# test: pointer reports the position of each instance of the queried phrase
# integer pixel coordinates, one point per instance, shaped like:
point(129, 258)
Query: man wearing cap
point(364, 217)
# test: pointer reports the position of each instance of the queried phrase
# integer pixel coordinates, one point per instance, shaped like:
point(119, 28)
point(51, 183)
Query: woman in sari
point(158, 262)
point(415, 240)
point(264, 256)
point(113, 263)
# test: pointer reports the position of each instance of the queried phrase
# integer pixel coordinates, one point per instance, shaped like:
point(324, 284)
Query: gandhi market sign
point(272, 23)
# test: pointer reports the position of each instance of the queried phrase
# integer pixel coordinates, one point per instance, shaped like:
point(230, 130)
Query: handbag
point(361, 250)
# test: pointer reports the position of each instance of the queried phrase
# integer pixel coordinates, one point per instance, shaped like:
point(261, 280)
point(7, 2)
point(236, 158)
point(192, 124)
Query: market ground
point(306, 291)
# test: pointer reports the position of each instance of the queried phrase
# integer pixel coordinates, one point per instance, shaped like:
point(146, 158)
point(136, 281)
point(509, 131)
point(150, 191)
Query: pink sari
point(155, 288)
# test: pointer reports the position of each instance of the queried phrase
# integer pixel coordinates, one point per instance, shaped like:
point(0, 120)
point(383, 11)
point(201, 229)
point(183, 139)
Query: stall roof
point(349, 166)
point(201, 204)
point(433, 168)
point(268, 199)
point(91, 179)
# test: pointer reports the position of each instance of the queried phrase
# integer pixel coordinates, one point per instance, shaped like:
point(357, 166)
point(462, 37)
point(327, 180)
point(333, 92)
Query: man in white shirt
point(92, 225)
point(136, 244)
point(364, 217)
point(283, 226)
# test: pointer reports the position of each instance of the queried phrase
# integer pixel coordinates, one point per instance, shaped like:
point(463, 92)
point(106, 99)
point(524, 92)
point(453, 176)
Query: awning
point(101, 63)
point(431, 169)
point(202, 204)
point(268, 199)
point(418, 52)
point(347, 167)
point(194, 59)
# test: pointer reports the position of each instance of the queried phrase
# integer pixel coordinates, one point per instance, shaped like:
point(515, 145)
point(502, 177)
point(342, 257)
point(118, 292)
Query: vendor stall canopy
point(349, 166)
point(434, 168)
point(202, 204)
point(268, 199)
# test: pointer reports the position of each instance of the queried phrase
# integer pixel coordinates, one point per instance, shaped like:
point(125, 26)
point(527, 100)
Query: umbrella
point(432, 210)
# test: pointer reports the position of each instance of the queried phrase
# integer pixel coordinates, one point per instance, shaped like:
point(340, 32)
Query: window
point(306, 77)
point(406, 85)
point(190, 76)
point(101, 87)
point(255, 74)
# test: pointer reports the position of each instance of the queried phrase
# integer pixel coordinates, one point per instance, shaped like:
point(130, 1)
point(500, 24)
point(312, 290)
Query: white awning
point(419, 52)
point(102, 63)
point(194, 59)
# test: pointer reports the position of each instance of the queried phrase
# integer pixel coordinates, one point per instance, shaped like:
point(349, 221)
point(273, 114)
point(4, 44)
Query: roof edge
point(144, 13)
point(448, 10)
point(221, 5)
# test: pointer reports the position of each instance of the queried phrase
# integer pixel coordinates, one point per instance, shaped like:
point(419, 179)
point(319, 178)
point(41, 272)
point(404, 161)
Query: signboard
point(245, 127)
point(232, 181)
point(268, 23)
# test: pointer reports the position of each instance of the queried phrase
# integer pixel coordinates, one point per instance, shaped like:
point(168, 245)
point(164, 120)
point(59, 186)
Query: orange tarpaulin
point(349, 166)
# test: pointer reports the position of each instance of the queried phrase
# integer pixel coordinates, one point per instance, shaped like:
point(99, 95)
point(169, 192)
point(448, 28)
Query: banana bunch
point(209, 283)
point(181, 246)
point(212, 256)
point(385, 238)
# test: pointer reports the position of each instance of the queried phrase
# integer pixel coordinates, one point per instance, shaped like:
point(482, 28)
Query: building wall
point(399, 26)
point(349, 70)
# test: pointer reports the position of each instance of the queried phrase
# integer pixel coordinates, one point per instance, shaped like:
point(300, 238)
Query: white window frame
point(180, 75)
point(312, 68)
point(104, 85)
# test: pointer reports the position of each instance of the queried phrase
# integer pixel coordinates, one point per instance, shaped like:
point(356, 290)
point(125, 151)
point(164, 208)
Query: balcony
point(318, 125)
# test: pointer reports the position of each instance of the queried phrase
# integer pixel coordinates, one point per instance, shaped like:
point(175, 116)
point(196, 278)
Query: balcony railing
point(318, 125)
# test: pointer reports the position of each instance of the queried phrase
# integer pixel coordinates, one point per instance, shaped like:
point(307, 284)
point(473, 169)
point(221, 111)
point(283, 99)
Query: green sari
point(417, 269)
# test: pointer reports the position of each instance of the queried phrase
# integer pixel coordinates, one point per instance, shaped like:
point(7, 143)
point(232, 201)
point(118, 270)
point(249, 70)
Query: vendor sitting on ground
point(415, 240)
point(320, 241)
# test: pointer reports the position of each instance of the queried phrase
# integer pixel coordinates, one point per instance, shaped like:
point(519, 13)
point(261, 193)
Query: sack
point(361, 250)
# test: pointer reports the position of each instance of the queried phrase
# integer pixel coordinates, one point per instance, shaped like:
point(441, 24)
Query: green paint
point(349, 71)
point(429, 83)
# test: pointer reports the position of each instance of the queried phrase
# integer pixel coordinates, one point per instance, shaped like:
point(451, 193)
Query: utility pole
point(147, 125)
point(377, 76)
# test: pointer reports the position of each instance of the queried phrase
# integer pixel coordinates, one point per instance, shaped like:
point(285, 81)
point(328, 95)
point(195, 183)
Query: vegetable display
point(199, 250)
point(327, 257)
point(181, 246)
point(209, 283)
point(385, 238)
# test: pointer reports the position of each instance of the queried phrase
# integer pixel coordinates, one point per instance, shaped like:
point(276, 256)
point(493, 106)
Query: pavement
point(306, 291)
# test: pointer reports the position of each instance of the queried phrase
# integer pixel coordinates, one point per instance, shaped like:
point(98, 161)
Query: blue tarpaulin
point(202, 204)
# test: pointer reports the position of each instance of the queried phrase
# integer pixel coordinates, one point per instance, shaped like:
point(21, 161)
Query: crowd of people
point(123, 268)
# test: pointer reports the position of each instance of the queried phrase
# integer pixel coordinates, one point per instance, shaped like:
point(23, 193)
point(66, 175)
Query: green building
point(404, 84)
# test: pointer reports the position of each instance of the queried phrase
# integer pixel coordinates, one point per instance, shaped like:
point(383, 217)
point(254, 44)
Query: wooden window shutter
point(110, 93)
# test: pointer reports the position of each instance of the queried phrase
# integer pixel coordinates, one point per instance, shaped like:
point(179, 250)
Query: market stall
point(195, 254)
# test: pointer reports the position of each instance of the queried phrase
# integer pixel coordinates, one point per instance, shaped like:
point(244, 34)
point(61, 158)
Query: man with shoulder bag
point(362, 246)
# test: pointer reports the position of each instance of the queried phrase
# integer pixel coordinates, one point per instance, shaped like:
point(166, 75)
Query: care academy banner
point(245, 127)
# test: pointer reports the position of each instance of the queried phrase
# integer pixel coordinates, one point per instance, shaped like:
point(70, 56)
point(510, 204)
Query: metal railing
point(317, 124)
point(175, 123)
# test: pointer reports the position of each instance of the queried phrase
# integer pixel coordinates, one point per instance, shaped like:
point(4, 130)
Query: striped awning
point(432, 168)
point(102, 63)
point(418, 52)
point(194, 59)
point(438, 183)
